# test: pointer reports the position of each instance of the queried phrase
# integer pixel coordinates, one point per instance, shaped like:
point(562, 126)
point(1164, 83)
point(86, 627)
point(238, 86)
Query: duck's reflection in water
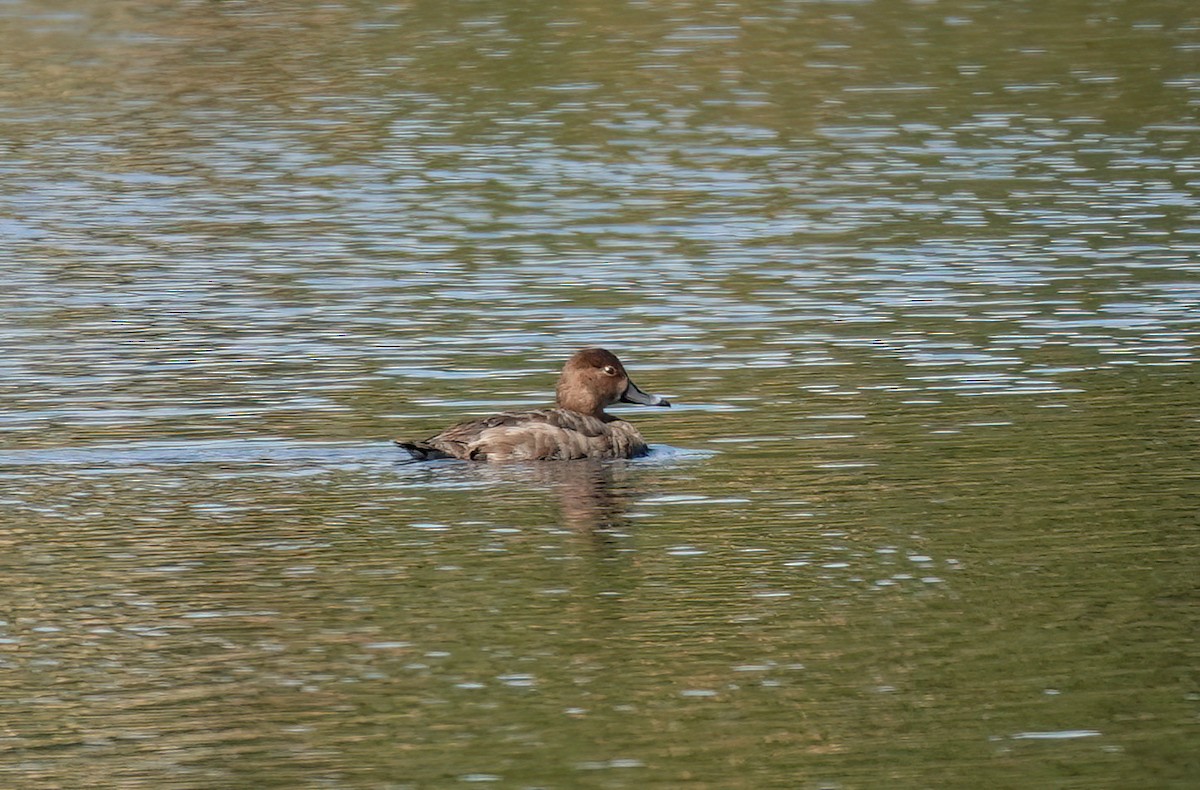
point(593, 495)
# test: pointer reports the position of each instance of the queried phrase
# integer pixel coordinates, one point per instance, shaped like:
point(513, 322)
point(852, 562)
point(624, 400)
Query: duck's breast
point(554, 434)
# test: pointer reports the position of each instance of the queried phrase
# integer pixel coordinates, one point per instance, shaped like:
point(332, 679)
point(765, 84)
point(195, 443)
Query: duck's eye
point(609, 370)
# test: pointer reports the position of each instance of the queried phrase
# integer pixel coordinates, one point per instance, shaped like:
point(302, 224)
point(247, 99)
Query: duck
point(577, 427)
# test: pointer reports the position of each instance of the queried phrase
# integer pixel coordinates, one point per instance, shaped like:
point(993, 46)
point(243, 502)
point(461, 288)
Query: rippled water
point(921, 280)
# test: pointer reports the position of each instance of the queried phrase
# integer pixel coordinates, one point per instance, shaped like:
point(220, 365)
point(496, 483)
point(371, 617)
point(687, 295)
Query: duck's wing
point(515, 435)
point(543, 435)
point(454, 442)
point(555, 435)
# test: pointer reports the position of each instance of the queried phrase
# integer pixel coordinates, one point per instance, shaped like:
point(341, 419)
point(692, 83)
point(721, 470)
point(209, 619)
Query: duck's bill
point(634, 395)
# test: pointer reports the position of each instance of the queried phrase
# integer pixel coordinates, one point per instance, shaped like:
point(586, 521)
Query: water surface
point(921, 280)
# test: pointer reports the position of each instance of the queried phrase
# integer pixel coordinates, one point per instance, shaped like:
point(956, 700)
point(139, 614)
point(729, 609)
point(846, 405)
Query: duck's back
point(543, 435)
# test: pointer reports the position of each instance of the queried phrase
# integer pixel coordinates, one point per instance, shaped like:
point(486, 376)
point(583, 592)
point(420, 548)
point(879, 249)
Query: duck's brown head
point(593, 379)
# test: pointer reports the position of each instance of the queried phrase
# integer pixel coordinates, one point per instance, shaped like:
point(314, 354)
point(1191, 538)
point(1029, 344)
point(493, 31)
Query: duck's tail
point(421, 451)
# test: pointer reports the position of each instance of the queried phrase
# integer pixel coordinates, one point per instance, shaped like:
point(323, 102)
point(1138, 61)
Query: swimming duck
point(577, 427)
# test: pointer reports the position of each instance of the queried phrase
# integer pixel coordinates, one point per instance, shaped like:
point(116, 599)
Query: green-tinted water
point(920, 278)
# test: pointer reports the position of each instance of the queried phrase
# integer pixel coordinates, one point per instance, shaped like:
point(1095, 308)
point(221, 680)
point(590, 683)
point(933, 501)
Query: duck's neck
point(579, 400)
